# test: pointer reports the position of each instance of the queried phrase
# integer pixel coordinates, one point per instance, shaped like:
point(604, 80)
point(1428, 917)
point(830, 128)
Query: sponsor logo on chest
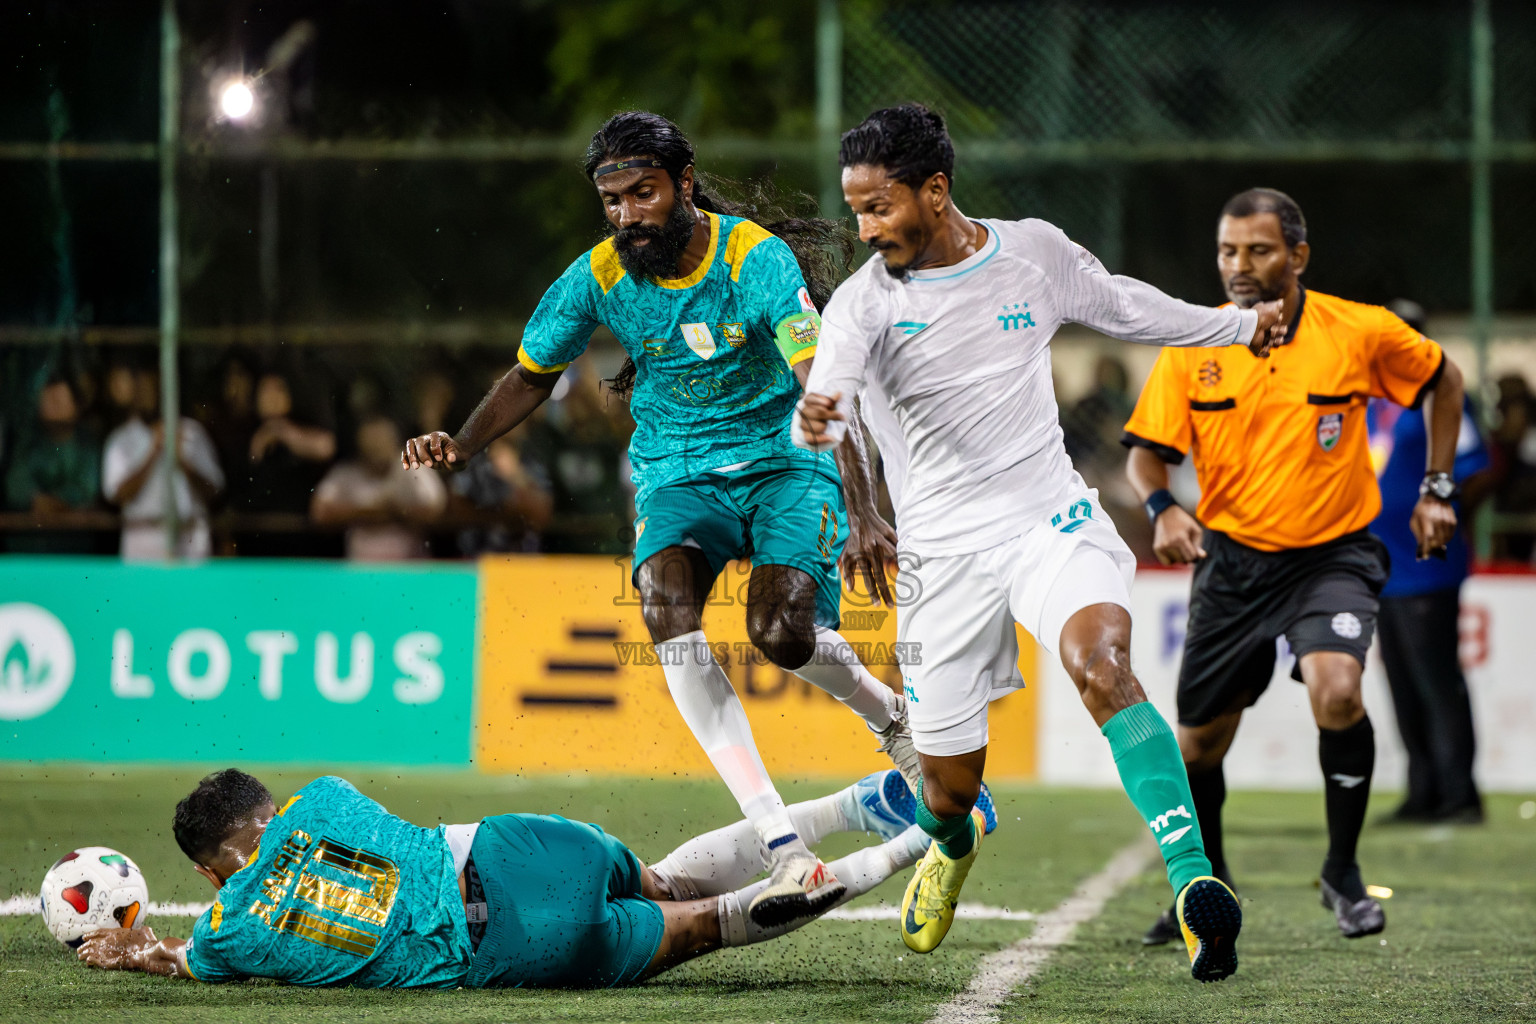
point(1016, 317)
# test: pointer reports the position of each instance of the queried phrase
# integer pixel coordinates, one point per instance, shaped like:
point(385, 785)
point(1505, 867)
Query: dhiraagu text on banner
point(571, 683)
point(238, 661)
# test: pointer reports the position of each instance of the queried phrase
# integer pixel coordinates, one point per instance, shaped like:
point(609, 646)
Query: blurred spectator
point(231, 419)
point(55, 468)
point(133, 476)
point(280, 467)
point(433, 393)
point(1514, 462)
point(511, 495)
point(384, 506)
point(1421, 610)
point(584, 439)
point(117, 407)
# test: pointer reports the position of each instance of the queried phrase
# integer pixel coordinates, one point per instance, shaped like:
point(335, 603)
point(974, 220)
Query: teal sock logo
point(1163, 820)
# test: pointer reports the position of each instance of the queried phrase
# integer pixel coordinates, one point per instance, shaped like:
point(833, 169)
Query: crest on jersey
point(1210, 373)
point(1329, 429)
point(735, 335)
point(699, 338)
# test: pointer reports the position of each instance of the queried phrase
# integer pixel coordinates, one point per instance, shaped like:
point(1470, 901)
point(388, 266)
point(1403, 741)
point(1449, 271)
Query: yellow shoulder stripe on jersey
point(606, 268)
point(744, 238)
point(536, 367)
point(216, 918)
point(291, 801)
point(704, 264)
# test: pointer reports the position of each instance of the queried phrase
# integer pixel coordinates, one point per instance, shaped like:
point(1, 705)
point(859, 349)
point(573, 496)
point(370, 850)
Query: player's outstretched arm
point(1134, 311)
point(136, 949)
point(510, 401)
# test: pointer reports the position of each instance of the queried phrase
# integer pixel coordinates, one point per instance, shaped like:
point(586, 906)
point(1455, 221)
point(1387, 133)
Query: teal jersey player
point(712, 351)
point(340, 892)
point(335, 890)
point(719, 318)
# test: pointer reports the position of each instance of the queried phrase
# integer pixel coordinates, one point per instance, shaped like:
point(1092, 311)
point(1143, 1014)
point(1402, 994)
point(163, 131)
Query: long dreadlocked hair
point(823, 248)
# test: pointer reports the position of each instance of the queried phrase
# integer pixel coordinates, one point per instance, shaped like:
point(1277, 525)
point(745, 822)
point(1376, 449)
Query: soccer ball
point(90, 888)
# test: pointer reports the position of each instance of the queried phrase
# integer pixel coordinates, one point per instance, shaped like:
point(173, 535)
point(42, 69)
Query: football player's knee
point(950, 798)
point(665, 620)
point(783, 639)
point(1339, 699)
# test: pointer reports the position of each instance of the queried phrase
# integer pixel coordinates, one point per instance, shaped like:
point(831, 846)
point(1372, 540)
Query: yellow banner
point(569, 681)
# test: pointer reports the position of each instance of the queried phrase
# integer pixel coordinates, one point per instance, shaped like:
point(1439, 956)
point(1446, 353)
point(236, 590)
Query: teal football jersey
point(340, 892)
point(712, 387)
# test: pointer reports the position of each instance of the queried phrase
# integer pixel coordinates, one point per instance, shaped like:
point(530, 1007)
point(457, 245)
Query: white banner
point(1276, 746)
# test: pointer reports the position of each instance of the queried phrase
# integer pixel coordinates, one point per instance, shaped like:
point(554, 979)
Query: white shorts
point(959, 623)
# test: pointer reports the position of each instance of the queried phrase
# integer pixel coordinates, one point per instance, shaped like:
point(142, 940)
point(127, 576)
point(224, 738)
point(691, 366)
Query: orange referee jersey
point(1280, 444)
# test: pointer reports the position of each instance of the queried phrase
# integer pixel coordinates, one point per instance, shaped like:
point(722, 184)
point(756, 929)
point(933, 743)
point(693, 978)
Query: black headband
point(624, 165)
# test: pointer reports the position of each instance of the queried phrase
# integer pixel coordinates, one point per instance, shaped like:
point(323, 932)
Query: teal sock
point(955, 836)
point(1152, 772)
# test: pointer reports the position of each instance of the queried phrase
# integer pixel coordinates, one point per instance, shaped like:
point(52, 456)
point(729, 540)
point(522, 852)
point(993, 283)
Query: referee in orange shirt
point(1286, 493)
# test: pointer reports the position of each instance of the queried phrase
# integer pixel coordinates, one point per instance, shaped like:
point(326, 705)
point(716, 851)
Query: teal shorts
point(777, 511)
point(563, 905)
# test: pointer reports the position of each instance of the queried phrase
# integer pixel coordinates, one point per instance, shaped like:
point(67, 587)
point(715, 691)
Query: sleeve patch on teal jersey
point(797, 335)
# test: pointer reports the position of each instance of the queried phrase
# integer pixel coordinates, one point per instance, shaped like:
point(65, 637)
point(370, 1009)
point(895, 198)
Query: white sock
point(860, 871)
point(836, 669)
point(708, 703)
point(728, 858)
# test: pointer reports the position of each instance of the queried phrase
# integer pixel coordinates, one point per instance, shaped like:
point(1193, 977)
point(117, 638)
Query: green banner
point(235, 661)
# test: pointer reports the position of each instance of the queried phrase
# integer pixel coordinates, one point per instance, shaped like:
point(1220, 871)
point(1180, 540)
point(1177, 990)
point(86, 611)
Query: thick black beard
point(659, 256)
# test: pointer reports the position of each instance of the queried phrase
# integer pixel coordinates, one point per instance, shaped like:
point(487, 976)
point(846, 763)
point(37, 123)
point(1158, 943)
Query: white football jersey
point(962, 355)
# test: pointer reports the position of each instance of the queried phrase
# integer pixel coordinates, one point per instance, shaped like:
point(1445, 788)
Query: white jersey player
point(950, 326)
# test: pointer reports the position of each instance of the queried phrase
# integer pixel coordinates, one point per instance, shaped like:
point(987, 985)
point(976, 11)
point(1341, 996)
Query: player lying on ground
point(1287, 491)
point(952, 322)
point(335, 890)
point(721, 332)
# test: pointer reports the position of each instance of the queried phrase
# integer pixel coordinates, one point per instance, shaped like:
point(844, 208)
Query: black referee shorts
point(1321, 598)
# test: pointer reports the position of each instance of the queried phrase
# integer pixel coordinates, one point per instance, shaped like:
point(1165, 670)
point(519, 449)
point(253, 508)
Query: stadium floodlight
point(237, 99)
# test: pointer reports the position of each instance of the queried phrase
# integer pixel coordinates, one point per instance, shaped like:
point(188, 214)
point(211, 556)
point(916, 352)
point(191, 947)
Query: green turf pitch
point(1460, 939)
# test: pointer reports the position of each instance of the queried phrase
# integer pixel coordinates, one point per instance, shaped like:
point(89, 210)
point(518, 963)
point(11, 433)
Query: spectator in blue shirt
point(1420, 609)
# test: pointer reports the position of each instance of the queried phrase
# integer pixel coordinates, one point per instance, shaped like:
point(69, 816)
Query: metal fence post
point(170, 299)
point(1482, 224)
point(829, 105)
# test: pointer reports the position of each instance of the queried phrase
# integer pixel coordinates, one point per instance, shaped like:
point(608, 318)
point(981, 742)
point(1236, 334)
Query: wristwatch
point(1439, 486)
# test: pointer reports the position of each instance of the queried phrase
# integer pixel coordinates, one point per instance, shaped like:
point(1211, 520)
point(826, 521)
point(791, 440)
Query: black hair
point(1293, 226)
point(823, 248)
point(910, 141)
point(1409, 312)
point(212, 812)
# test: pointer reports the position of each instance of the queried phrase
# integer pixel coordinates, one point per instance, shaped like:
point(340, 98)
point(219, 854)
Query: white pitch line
point(1001, 972)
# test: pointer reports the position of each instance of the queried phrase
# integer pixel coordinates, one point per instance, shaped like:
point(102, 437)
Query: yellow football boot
point(928, 908)
point(1210, 918)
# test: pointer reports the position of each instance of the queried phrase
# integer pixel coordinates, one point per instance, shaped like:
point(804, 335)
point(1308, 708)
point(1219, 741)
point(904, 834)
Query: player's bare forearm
point(510, 401)
point(1445, 418)
point(1147, 472)
point(136, 949)
point(871, 548)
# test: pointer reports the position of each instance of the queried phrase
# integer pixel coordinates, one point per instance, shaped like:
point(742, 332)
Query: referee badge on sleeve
point(1330, 428)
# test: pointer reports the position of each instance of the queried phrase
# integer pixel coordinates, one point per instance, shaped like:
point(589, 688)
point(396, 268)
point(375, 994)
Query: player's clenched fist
point(434, 449)
point(1176, 537)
